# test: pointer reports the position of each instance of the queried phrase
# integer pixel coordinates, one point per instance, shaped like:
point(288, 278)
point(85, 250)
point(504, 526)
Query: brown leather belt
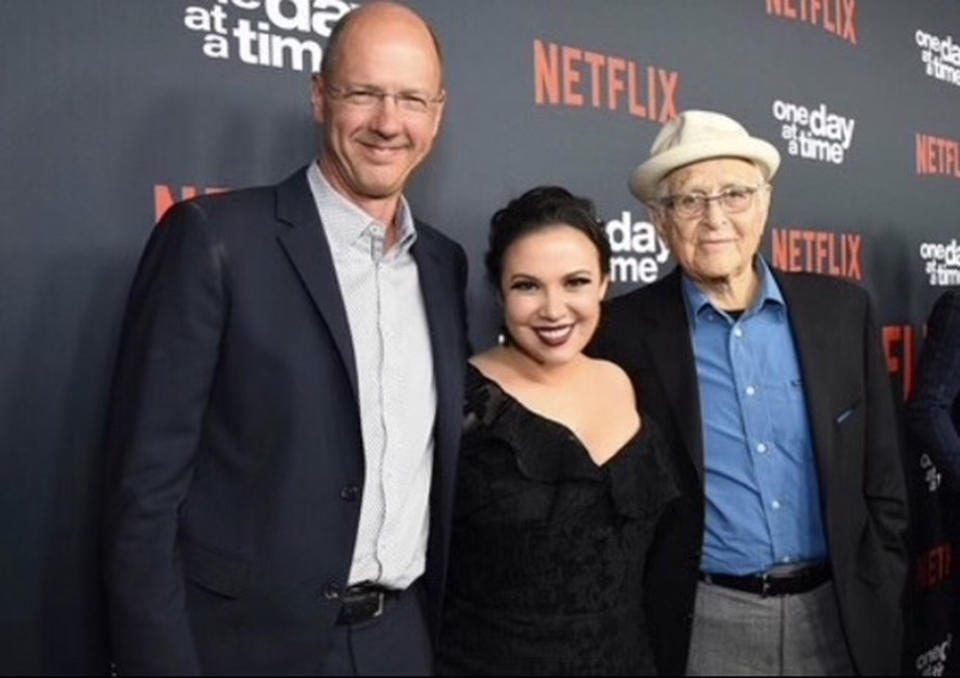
point(773, 583)
point(363, 602)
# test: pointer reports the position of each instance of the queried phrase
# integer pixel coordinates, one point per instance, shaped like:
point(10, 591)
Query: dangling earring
point(503, 337)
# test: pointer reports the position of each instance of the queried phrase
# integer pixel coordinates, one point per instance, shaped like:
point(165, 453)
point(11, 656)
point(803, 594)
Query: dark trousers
point(395, 644)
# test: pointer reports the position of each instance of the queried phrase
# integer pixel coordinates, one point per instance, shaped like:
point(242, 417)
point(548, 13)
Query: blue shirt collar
point(770, 296)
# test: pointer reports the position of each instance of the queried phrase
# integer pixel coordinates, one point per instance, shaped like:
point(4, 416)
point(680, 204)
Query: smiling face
point(370, 150)
point(552, 287)
point(716, 247)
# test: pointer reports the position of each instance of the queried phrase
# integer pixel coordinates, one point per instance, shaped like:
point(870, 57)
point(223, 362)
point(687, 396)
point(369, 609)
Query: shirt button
point(737, 332)
point(775, 504)
point(751, 390)
point(761, 448)
point(331, 592)
point(349, 492)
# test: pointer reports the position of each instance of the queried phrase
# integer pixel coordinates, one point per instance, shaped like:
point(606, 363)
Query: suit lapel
point(308, 250)
point(813, 350)
point(438, 297)
point(439, 290)
point(667, 336)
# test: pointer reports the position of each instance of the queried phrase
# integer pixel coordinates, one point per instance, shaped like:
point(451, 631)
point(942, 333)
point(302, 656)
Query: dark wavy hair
point(540, 208)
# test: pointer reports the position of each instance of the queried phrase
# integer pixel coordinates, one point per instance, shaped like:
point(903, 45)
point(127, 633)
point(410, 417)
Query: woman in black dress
point(560, 481)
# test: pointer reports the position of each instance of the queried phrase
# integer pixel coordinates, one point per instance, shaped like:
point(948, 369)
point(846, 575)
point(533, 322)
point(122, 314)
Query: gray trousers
point(743, 634)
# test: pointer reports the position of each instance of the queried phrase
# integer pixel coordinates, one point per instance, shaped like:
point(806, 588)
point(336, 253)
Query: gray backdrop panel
point(104, 100)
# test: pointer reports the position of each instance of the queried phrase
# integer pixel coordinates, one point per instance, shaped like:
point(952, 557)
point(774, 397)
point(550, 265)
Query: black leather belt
point(363, 602)
point(773, 583)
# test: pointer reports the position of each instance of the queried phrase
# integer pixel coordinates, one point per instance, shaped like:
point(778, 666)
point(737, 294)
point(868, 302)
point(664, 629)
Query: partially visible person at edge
point(288, 398)
point(933, 413)
point(560, 481)
point(786, 554)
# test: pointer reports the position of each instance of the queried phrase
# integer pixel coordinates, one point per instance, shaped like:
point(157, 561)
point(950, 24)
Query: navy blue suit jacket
point(234, 437)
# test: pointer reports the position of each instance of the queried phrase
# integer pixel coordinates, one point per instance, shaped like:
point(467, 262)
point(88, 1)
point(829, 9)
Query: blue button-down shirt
point(762, 492)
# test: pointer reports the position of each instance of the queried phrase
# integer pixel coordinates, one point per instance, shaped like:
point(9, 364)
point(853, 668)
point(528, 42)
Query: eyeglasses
point(692, 205)
point(365, 98)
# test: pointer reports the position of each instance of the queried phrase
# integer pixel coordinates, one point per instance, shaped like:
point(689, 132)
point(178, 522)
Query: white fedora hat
point(699, 135)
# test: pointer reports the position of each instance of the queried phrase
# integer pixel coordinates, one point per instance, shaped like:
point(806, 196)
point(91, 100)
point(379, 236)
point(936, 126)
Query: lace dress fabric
point(548, 548)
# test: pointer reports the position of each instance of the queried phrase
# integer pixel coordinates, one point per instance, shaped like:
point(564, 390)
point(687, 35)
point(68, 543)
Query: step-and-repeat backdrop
point(112, 110)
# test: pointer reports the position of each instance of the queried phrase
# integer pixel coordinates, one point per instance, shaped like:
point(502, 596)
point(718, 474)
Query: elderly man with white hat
point(787, 555)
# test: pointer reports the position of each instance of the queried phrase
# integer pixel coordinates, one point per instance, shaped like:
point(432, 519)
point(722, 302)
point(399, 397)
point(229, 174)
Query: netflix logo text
point(836, 254)
point(574, 77)
point(165, 196)
point(936, 156)
point(837, 17)
point(934, 566)
point(900, 350)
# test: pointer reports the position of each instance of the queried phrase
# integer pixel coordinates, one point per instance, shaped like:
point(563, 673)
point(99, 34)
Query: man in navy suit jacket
point(287, 403)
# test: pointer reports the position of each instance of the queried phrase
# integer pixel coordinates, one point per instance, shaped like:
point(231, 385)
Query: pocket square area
point(843, 416)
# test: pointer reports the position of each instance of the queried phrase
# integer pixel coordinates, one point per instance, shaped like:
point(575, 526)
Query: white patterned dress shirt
point(398, 396)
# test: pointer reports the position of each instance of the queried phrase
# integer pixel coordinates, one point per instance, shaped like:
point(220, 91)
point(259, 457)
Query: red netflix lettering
point(163, 197)
point(937, 156)
point(826, 252)
point(837, 17)
point(563, 73)
point(934, 566)
point(900, 349)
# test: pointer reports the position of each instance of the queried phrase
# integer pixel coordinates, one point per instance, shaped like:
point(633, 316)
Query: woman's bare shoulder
point(491, 362)
point(610, 394)
point(612, 377)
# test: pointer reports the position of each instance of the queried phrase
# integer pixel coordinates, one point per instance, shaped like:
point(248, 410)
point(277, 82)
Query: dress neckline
point(569, 433)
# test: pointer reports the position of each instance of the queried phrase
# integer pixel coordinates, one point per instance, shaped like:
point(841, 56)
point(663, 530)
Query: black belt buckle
point(378, 597)
point(764, 585)
point(360, 604)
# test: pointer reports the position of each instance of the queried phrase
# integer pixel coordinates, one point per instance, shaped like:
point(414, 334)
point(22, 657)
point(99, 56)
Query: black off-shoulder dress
point(548, 548)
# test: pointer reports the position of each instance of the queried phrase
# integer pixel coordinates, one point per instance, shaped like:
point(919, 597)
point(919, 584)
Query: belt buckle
point(379, 610)
point(764, 585)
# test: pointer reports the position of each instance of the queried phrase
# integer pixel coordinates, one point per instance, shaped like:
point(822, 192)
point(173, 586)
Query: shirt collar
point(347, 225)
point(770, 296)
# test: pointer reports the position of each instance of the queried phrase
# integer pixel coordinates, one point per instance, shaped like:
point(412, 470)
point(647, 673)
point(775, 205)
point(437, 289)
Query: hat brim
point(644, 179)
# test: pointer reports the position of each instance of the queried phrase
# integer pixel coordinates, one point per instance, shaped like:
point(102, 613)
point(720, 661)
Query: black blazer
point(855, 440)
point(934, 410)
point(234, 438)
